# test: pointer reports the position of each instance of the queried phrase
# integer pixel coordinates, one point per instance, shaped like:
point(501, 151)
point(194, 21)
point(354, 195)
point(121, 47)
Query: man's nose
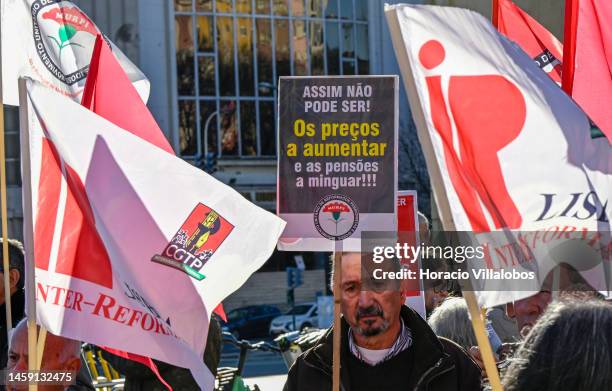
point(21, 365)
point(365, 298)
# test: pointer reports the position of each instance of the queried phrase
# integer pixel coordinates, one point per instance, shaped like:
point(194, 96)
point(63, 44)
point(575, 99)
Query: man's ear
point(510, 310)
point(74, 364)
point(14, 277)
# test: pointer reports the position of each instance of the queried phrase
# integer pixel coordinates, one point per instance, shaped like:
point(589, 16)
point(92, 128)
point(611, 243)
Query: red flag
point(587, 72)
point(110, 94)
point(532, 37)
point(589, 50)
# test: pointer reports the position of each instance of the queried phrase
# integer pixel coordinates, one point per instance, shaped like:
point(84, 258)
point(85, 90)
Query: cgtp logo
point(57, 26)
point(336, 217)
point(196, 241)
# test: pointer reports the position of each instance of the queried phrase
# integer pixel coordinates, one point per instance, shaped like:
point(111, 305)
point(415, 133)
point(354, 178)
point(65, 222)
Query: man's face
point(369, 313)
point(13, 278)
point(54, 359)
point(433, 298)
point(527, 311)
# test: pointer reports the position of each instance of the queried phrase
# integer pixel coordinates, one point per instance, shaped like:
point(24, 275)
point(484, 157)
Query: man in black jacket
point(16, 281)
point(384, 346)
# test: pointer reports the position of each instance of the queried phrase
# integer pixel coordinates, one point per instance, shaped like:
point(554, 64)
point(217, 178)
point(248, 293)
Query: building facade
point(214, 67)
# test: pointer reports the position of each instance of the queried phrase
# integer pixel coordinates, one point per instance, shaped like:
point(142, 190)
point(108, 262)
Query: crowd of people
point(548, 341)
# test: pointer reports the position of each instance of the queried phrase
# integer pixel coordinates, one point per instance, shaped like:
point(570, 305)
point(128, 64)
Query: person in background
point(435, 291)
point(424, 230)
point(451, 320)
point(384, 345)
point(505, 327)
point(568, 348)
point(527, 311)
point(16, 281)
point(60, 354)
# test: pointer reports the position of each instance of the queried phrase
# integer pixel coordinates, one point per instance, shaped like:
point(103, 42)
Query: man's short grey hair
point(425, 236)
point(451, 320)
point(67, 348)
point(332, 263)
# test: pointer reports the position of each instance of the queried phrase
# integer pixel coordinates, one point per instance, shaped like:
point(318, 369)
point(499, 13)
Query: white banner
point(168, 242)
point(505, 147)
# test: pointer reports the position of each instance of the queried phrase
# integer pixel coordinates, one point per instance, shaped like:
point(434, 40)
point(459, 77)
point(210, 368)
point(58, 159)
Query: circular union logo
point(336, 217)
point(64, 38)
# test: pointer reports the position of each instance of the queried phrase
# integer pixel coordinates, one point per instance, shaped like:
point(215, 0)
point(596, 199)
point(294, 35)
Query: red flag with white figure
point(539, 43)
point(507, 150)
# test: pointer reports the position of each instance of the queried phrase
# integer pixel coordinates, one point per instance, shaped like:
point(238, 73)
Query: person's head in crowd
point(384, 344)
point(16, 268)
point(569, 283)
point(424, 229)
point(435, 291)
point(527, 311)
point(567, 349)
point(505, 327)
point(60, 354)
point(451, 320)
point(372, 312)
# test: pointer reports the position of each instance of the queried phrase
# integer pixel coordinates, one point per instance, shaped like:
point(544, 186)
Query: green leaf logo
point(66, 32)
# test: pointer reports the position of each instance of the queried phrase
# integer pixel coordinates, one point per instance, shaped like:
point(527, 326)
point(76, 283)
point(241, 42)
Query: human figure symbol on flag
point(476, 102)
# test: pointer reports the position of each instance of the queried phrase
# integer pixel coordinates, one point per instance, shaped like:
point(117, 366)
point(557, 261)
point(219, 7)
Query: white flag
point(505, 147)
point(166, 242)
point(52, 42)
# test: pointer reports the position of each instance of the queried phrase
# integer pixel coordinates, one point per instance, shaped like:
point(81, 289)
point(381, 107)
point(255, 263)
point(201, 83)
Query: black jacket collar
point(17, 308)
point(425, 343)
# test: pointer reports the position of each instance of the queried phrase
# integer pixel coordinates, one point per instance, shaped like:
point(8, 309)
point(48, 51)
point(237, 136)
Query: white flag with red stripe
point(505, 147)
point(174, 241)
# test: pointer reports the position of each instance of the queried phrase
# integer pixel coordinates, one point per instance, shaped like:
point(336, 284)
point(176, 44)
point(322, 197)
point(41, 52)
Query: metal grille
point(230, 53)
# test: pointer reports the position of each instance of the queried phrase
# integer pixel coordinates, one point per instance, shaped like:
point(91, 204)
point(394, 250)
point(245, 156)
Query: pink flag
point(109, 93)
point(539, 43)
point(589, 71)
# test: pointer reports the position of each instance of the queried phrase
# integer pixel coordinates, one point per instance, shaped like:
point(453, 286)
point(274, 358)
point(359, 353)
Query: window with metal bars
point(230, 53)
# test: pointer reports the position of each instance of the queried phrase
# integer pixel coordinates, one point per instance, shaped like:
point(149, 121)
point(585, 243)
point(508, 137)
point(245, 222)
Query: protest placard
point(408, 229)
point(337, 159)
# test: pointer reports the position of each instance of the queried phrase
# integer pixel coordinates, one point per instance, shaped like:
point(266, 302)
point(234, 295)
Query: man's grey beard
point(370, 332)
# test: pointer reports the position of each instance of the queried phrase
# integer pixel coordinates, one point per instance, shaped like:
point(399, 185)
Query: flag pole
point(439, 192)
point(28, 229)
point(495, 13)
point(3, 211)
point(569, 45)
point(483, 340)
point(337, 323)
point(40, 346)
